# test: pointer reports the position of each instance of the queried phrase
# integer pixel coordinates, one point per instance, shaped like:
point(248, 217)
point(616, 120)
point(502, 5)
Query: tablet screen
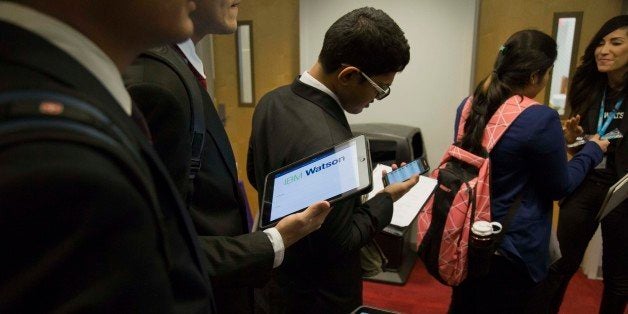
point(327, 175)
point(320, 179)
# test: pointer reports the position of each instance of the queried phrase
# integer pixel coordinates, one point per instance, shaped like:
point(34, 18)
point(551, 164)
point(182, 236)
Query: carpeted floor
point(423, 294)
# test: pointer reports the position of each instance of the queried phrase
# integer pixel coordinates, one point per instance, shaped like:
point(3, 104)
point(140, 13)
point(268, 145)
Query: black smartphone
point(403, 173)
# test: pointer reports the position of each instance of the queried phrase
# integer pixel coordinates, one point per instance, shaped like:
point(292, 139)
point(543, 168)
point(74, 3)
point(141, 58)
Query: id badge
point(614, 134)
point(602, 164)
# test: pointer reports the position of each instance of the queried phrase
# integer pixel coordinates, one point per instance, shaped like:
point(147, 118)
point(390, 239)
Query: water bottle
point(481, 247)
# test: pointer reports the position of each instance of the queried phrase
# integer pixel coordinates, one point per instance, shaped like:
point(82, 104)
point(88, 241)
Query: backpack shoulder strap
point(172, 59)
point(503, 118)
point(36, 115)
point(499, 122)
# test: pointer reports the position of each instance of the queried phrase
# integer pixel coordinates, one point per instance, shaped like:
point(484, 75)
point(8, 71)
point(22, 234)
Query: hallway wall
point(276, 62)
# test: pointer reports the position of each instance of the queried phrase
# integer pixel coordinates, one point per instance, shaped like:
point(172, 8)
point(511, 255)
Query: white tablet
point(332, 174)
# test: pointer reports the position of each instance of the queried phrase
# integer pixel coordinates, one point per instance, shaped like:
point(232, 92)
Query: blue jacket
point(531, 158)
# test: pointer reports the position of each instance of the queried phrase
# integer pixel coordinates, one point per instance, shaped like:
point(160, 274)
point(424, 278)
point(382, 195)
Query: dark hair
point(366, 38)
point(524, 53)
point(588, 83)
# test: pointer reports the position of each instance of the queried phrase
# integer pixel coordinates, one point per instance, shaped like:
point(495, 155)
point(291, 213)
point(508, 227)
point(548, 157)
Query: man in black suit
point(361, 54)
point(76, 230)
point(239, 260)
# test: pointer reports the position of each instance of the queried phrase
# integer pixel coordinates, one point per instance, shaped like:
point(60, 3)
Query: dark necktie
point(140, 121)
point(201, 80)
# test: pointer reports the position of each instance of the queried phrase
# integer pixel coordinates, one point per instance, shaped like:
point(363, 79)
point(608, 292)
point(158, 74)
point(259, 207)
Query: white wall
point(427, 92)
point(564, 41)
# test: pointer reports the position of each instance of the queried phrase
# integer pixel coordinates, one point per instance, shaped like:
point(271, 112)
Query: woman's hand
point(572, 129)
point(603, 144)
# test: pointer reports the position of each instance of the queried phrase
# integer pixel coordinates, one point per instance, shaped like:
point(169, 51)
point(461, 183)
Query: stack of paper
point(408, 206)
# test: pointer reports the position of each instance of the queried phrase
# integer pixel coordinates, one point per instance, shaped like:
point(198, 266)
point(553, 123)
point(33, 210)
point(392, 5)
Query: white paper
point(408, 206)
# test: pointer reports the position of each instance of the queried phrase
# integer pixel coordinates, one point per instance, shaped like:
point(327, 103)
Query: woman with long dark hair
point(531, 160)
point(596, 98)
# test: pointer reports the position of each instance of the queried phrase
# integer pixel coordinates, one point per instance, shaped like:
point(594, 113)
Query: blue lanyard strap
point(602, 124)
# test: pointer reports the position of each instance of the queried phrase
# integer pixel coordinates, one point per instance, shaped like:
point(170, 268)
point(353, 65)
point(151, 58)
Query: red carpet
point(423, 294)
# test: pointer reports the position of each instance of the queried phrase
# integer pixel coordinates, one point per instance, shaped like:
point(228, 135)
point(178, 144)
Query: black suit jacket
point(321, 273)
point(77, 235)
point(239, 260)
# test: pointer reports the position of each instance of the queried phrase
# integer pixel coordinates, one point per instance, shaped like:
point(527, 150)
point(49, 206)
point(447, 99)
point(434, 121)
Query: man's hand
point(296, 226)
point(397, 190)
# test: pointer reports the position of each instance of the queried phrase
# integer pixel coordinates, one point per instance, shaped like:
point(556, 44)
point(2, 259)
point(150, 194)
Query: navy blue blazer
point(531, 158)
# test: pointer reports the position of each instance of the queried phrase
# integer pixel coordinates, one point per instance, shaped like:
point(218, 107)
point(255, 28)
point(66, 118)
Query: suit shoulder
point(540, 111)
point(276, 96)
point(537, 117)
point(159, 93)
point(284, 102)
point(147, 77)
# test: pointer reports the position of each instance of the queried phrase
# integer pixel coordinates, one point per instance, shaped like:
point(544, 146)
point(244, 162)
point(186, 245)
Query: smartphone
point(403, 173)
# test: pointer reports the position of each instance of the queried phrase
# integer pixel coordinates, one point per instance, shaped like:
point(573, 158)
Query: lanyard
point(602, 126)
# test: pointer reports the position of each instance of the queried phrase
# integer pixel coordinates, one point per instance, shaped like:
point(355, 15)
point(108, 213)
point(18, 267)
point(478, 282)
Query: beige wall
point(499, 19)
point(275, 61)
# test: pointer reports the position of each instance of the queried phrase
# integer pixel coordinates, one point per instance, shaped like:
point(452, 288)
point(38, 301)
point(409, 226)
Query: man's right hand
point(296, 226)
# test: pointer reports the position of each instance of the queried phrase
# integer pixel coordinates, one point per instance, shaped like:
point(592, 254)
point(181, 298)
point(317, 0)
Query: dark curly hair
point(366, 38)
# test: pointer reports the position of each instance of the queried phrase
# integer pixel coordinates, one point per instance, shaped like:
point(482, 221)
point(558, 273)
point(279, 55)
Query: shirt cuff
point(277, 241)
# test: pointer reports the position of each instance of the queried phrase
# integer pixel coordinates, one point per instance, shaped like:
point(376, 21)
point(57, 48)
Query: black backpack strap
point(173, 60)
point(35, 115)
point(508, 220)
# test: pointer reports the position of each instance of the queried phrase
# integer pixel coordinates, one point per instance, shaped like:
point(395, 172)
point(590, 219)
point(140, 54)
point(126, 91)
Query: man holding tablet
point(238, 260)
point(333, 174)
point(361, 54)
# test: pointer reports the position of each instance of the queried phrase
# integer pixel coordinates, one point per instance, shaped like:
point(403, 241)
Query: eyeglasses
point(381, 92)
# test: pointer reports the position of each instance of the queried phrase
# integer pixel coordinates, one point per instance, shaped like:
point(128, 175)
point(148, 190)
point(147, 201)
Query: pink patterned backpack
point(461, 197)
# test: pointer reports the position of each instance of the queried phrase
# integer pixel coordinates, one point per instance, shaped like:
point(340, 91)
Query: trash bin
point(394, 143)
point(391, 143)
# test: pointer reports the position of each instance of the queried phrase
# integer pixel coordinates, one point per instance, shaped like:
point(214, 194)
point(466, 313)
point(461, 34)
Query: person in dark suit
point(239, 260)
point(77, 232)
point(362, 52)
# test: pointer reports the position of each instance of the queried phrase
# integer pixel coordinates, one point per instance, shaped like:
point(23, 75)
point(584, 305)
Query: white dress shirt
point(188, 49)
point(307, 79)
